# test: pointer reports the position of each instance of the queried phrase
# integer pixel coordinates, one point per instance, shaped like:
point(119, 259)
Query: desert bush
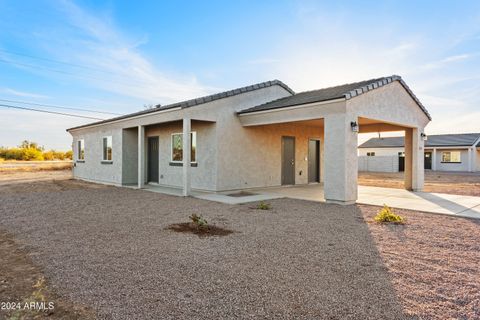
point(387, 215)
point(32, 154)
point(264, 206)
point(69, 154)
point(198, 220)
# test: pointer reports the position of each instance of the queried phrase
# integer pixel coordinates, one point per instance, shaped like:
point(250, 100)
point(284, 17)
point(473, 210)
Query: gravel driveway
point(107, 248)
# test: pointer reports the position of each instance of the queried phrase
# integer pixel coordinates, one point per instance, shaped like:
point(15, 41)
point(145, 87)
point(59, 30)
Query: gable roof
point(438, 140)
point(196, 101)
point(346, 91)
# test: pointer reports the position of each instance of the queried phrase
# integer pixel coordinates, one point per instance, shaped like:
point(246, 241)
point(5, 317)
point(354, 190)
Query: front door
point(152, 166)
point(428, 160)
point(313, 161)
point(401, 161)
point(288, 160)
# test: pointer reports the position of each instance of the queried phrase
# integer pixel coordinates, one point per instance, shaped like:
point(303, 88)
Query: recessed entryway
point(313, 161)
point(152, 166)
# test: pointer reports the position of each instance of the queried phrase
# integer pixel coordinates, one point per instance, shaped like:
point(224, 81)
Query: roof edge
point(193, 102)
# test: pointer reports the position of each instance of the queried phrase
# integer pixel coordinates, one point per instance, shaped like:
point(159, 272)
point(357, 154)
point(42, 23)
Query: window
point(177, 147)
point(81, 149)
point(107, 148)
point(401, 154)
point(370, 154)
point(451, 157)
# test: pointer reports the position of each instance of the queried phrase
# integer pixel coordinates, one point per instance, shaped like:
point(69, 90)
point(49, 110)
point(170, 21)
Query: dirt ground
point(22, 282)
point(298, 260)
point(467, 184)
point(11, 177)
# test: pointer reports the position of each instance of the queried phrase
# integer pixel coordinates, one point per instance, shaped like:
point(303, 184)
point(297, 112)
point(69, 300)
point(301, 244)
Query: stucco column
point(434, 159)
point(141, 156)
point(187, 147)
point(341, 160)
point(414, 160)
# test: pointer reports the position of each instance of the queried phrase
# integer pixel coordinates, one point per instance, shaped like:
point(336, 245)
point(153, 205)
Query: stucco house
point(443, 152)
point(256, 136)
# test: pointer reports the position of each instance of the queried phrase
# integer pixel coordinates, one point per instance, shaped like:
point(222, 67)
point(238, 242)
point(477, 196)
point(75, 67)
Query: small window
point(107, 148)
point(370, 154)
point(81, 149)
point(177, 147)
point(451, 157)
point(401, 154)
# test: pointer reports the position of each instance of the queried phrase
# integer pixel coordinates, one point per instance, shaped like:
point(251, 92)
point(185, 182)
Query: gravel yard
point(106, 248)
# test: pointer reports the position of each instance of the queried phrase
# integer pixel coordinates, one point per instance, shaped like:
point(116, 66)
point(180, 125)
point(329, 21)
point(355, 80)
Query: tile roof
point(438, 140)
point(197, 101)
point(346, 91)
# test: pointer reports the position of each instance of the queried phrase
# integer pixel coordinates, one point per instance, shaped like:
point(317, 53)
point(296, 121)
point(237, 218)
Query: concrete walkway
point(456, 205)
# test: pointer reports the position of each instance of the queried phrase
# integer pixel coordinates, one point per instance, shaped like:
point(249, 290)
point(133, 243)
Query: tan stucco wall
point(251, 156)
point(390, 103)
point(204, 175)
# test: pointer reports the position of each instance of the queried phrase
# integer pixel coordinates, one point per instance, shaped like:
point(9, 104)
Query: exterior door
point(428, 160)
point(313, 161)
point(152, 165)
point(288, 160)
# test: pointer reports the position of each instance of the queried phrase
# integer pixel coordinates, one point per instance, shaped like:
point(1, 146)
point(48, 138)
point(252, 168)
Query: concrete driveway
point(456, 205)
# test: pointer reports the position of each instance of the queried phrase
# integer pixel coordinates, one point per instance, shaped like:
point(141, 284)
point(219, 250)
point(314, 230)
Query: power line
point(59, 107)
point(51, 112)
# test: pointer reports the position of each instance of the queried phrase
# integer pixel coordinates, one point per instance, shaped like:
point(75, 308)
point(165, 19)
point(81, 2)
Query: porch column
point(434, 159)
point(187, 147)
point(340, 159)
point(470, 158)
point(414, 160)
point(141, 156)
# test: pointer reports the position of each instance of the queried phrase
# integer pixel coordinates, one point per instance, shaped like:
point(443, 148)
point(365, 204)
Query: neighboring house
point(443, 152)
point(256, 136)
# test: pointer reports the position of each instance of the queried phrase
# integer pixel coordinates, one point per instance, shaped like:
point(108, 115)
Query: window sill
point(180, 164)
point(80, 161)
point(106, 162)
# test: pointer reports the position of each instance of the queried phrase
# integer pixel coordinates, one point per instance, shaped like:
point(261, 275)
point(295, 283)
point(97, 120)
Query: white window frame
point(105, 154)
point(80, 148)
point(450, 161)
point(193, 133)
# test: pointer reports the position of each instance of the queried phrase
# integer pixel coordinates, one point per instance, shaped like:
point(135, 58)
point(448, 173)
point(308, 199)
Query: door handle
point(293, 162)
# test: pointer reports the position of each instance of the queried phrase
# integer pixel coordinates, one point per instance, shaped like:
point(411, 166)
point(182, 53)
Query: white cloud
point(448, 60)
point(24, 94)
point(114, 61)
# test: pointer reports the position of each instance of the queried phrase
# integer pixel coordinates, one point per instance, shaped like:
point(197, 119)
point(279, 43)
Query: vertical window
point(451, 157)
point(81, 149)
point(107, 148)
point(177, 147)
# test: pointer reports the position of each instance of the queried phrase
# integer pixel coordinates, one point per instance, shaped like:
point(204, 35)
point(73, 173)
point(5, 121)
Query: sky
point(119, 56)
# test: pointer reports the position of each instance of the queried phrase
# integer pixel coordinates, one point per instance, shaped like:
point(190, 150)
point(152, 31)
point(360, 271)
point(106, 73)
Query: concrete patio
point(456, 205)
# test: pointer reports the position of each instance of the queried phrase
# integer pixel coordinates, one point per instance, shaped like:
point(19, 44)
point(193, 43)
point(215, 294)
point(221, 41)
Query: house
point(443, 152)
point(256, 136)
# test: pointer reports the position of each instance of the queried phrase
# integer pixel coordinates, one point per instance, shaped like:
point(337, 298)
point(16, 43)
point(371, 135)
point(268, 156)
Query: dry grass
point(32, 166)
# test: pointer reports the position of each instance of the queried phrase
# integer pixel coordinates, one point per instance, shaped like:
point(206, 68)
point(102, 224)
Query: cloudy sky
point(116, 56)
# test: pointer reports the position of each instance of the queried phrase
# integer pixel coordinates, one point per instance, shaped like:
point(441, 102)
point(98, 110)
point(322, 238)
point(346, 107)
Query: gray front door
point(152, 166)
point(313, 161)
point(288, 160)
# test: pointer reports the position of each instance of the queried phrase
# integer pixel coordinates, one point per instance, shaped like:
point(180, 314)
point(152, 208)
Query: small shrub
point(198, 220)
point(263, 206)
point(387, 215)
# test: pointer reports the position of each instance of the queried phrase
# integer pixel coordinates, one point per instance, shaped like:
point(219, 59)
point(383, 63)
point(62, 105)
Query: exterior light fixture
point(354, 126)
point(423, 136)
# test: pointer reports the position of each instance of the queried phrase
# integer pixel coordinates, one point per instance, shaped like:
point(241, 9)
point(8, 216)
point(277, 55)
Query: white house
point(256, 136)
point(443, 152)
